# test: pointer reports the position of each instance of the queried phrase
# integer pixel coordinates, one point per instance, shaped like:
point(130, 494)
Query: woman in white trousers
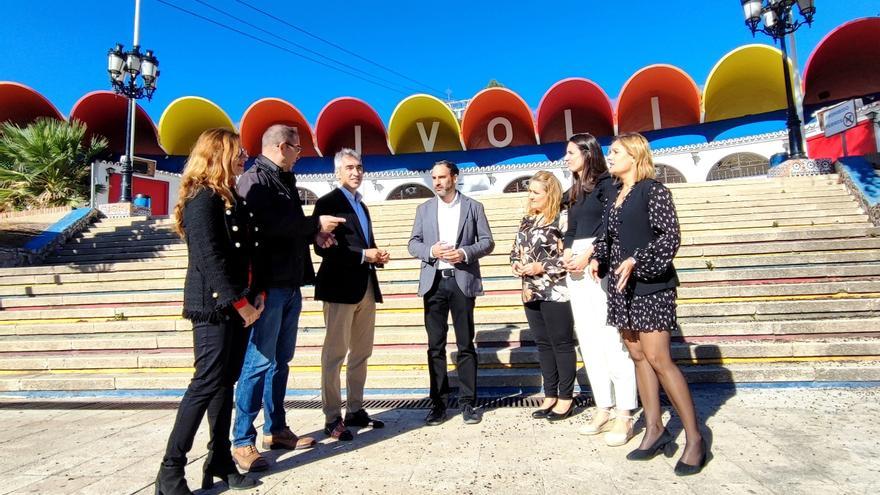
point(609, 366)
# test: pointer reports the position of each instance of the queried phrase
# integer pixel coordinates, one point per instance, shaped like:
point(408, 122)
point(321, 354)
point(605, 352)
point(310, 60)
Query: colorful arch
point(677, 100)
point(746, 81)
point(496, 118)
point(412, 124)
point(589, 106)
point(844, 64)
point(267, 112)
point(105, 114)
point(350, 123)
point(185, 118)
point(22, 104)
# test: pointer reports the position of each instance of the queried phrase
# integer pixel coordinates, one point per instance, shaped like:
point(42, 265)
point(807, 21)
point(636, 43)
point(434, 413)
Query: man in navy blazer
point(347, 284)
point(450, 234)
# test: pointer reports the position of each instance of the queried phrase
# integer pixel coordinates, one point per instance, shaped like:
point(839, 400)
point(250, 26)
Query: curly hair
point(211, 165)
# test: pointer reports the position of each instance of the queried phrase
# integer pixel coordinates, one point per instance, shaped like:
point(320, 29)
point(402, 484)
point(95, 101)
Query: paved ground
point(765, 440)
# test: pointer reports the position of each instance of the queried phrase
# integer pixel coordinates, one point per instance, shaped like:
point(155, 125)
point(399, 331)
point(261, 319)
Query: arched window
point(668, 174)
point(520, 184)
point(307, 197)
point(410, 191)
point(739, 165)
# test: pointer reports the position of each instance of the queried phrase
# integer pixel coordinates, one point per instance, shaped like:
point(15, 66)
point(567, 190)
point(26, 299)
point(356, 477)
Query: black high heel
point(555, 416)
point(664, 443)
point(542, 413)
point(234, 479)
point(682, 469)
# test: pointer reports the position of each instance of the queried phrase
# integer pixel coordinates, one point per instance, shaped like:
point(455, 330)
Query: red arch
point(270, 111)
point(844, 63)
point(335, 127)
point(489, 104)
point(677, 94)
point(590, 110)
point(105, 113)
point(21, 104)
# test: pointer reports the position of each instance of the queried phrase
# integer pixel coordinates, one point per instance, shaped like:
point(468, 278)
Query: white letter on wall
point(655, 112)
point(428, 142)
point(508, 130)
point(569, 128)
point(357, 140)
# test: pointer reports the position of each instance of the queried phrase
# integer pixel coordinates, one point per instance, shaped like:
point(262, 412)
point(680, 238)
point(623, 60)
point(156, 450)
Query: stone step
point(415, 356)
point(867, 305)
point(410, 300)
point(176, 334)
point(521, 377)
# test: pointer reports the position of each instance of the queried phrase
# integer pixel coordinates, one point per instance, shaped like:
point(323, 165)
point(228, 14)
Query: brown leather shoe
point(287, 440)
point(248, 458)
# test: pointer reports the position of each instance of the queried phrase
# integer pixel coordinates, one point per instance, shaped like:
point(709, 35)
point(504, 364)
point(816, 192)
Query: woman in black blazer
point(221, 300)
point(639, 240)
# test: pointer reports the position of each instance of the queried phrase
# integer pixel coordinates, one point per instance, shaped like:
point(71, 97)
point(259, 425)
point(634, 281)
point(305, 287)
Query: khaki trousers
point(350, 330)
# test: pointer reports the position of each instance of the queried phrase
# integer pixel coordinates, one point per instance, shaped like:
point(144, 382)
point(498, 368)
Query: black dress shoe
point(554, 416)
point(664, 443)
point(225, 470)
point(682, 469)
point(470, 415)
point(436, 416)
point(362, 419)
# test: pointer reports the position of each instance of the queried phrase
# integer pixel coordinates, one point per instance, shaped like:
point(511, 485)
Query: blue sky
point(59, 47)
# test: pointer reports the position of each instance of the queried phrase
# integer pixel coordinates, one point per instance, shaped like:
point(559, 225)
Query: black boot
point(171, 481)
point(226, 471)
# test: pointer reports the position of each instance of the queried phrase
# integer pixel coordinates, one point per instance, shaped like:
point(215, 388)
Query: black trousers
point(552, 326)
point(444, 296)
point(219, 354)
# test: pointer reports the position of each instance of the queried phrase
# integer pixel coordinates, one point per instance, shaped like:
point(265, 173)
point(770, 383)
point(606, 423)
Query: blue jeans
point(264, 373)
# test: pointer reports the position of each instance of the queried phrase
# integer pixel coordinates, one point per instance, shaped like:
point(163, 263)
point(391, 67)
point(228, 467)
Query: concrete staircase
point(780, 282)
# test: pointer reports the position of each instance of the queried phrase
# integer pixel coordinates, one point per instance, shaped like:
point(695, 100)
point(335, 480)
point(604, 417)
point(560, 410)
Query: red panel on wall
point(157, 190)
point(859, 141)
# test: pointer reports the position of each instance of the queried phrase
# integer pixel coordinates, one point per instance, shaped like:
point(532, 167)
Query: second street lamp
point(775, 19)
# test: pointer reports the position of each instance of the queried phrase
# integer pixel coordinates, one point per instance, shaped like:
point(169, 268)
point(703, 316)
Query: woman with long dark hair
point(639, 242)
point(609, 367)
point(536, 257)
point(220, 298)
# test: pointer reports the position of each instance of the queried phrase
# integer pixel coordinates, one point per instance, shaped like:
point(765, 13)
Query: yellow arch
point(404, 135)
point(746, 81)
point(185, 118)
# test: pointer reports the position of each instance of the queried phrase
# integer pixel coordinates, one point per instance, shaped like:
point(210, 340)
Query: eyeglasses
point(242, 154)
point(297, 147)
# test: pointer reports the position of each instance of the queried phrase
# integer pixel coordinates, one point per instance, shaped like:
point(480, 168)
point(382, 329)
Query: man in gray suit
point(450, 234)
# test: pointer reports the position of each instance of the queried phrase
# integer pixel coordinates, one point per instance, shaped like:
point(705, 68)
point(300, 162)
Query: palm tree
point(46, 164)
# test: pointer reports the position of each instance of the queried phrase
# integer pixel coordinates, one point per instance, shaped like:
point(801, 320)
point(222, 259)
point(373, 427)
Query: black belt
point(447, 273)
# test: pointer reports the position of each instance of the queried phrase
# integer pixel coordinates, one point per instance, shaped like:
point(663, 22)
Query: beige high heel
point(600, 422)
point(621, 431)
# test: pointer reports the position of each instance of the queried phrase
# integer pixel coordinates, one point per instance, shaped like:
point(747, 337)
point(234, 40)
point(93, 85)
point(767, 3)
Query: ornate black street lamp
point(775, 19)
point(134, 76)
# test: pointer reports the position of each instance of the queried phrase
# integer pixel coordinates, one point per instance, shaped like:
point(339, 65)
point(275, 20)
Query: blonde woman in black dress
point(639, 241)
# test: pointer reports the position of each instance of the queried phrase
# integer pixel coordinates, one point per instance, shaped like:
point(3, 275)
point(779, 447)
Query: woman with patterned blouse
point(640, 238)
point(537, 259)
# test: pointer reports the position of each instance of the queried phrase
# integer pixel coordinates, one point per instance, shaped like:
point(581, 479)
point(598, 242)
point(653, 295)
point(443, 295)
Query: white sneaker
point(600, 422)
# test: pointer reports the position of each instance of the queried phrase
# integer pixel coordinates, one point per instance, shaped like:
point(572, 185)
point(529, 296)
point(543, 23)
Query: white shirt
point(447, 220)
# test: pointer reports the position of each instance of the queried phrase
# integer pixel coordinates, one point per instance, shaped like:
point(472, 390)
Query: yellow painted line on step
point(424, 367)
point(100, 319)
point(802, 297)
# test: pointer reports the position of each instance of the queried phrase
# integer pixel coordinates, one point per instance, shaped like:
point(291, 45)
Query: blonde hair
point(637, 147)
point(210, 166)
point(554, 196)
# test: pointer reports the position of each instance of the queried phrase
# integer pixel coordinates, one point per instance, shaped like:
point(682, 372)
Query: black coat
point(636, 232)
point(586, 215)
point(342, 278)
point(221, 243)
point(272, 197)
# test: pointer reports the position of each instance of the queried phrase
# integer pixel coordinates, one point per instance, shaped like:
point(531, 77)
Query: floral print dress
point(544, 244)
point(651, 312)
